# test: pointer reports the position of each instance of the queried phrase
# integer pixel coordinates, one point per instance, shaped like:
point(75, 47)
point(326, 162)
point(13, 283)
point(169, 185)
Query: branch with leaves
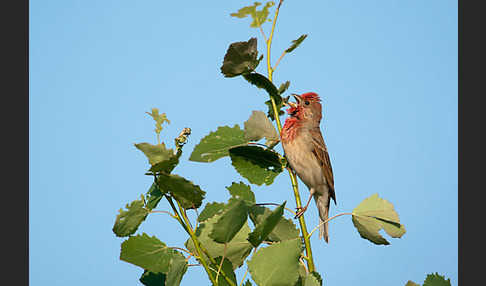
point(275, 250)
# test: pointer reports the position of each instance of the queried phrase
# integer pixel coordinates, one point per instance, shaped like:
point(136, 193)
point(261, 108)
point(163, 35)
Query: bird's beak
point(290, 104)
point(297, 98)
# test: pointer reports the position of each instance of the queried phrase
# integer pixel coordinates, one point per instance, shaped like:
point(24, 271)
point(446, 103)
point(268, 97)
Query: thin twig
point(278, 61)
point(263, 33)
point(303, 264)
point(185, 214)
point(222, 259)
point(163, 212)
point(182, 249)
point(244, 275)
point(323, 222)
point(274, 204)
point(214, 262)
point(261, 29)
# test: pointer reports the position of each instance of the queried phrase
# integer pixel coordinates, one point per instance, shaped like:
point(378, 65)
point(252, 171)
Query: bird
point(307, 154)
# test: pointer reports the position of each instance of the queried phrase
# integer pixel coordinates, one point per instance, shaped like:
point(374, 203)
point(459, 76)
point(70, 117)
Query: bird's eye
point(306, 102)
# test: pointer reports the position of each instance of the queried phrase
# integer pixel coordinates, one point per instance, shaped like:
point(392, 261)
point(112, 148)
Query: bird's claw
point(300, 211)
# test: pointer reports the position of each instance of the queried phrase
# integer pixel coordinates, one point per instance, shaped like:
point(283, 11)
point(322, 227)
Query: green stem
point(303, 227)
point(187, 227)
point(176, 213)
point(214, 262)
point(293, 179)
point(199, 248)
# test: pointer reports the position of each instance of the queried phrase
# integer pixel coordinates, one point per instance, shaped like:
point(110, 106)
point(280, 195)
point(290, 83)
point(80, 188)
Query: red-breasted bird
point(307, 154)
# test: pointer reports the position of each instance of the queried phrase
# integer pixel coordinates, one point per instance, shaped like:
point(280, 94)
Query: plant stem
point(199, 247)
point(162, 212)
point(187, 225)
point(278, 61)
point(182, 249)
point(194, 238)
point(214, 262)
point(327, 220)
point(293, 179)
point(269, 42)
point(261, 29)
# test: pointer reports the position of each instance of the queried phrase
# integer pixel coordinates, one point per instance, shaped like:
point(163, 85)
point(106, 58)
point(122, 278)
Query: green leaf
point(411, 283)
point(283, 87)
point(284, 230)
point(263, 82)
point(270, 113)
point(159, 119)
point(277, 264)
point(147, 252)
point(313, 279)
point(302, 274)
point(189, 195)
point(296, 43)
point(373, 214)
point(241, 191)
point(155, 153)
point(217, 143)
point(166, 166)
point(127, 222)
point(238, 191)
point(264, 228)
point(236, 250)
point(230, 222)
point(436, 280)
point(259, 16)
point(240, 58)
point(154, 195)
point(210, 210)
point(227, 268)
point(258, 165)
point(177, 269)
point(149, 278)
point(258, 126)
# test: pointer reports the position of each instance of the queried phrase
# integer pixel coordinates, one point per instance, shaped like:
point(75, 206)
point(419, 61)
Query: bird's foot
point(300, 211)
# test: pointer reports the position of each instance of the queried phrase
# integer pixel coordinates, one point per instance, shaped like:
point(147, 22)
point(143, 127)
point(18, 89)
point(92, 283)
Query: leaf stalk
point(327, 220)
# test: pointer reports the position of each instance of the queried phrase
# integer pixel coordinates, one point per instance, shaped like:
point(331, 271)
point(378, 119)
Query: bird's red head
point(307, 106)
point(311, 96)
point(306, 111)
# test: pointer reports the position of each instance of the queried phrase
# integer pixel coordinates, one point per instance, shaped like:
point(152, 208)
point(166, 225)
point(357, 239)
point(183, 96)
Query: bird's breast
point(299, 153)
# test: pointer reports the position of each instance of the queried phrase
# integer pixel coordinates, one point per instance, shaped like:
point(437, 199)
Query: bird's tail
point(322, 203)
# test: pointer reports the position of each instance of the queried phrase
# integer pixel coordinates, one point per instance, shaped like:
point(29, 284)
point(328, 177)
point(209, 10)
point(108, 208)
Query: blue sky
point(387, 74)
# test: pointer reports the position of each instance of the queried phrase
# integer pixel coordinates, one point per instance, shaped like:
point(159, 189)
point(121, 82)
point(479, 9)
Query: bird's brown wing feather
point(320, 151)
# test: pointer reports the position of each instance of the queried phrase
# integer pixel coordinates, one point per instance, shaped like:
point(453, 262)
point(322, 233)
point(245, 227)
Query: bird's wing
point(320, 151)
